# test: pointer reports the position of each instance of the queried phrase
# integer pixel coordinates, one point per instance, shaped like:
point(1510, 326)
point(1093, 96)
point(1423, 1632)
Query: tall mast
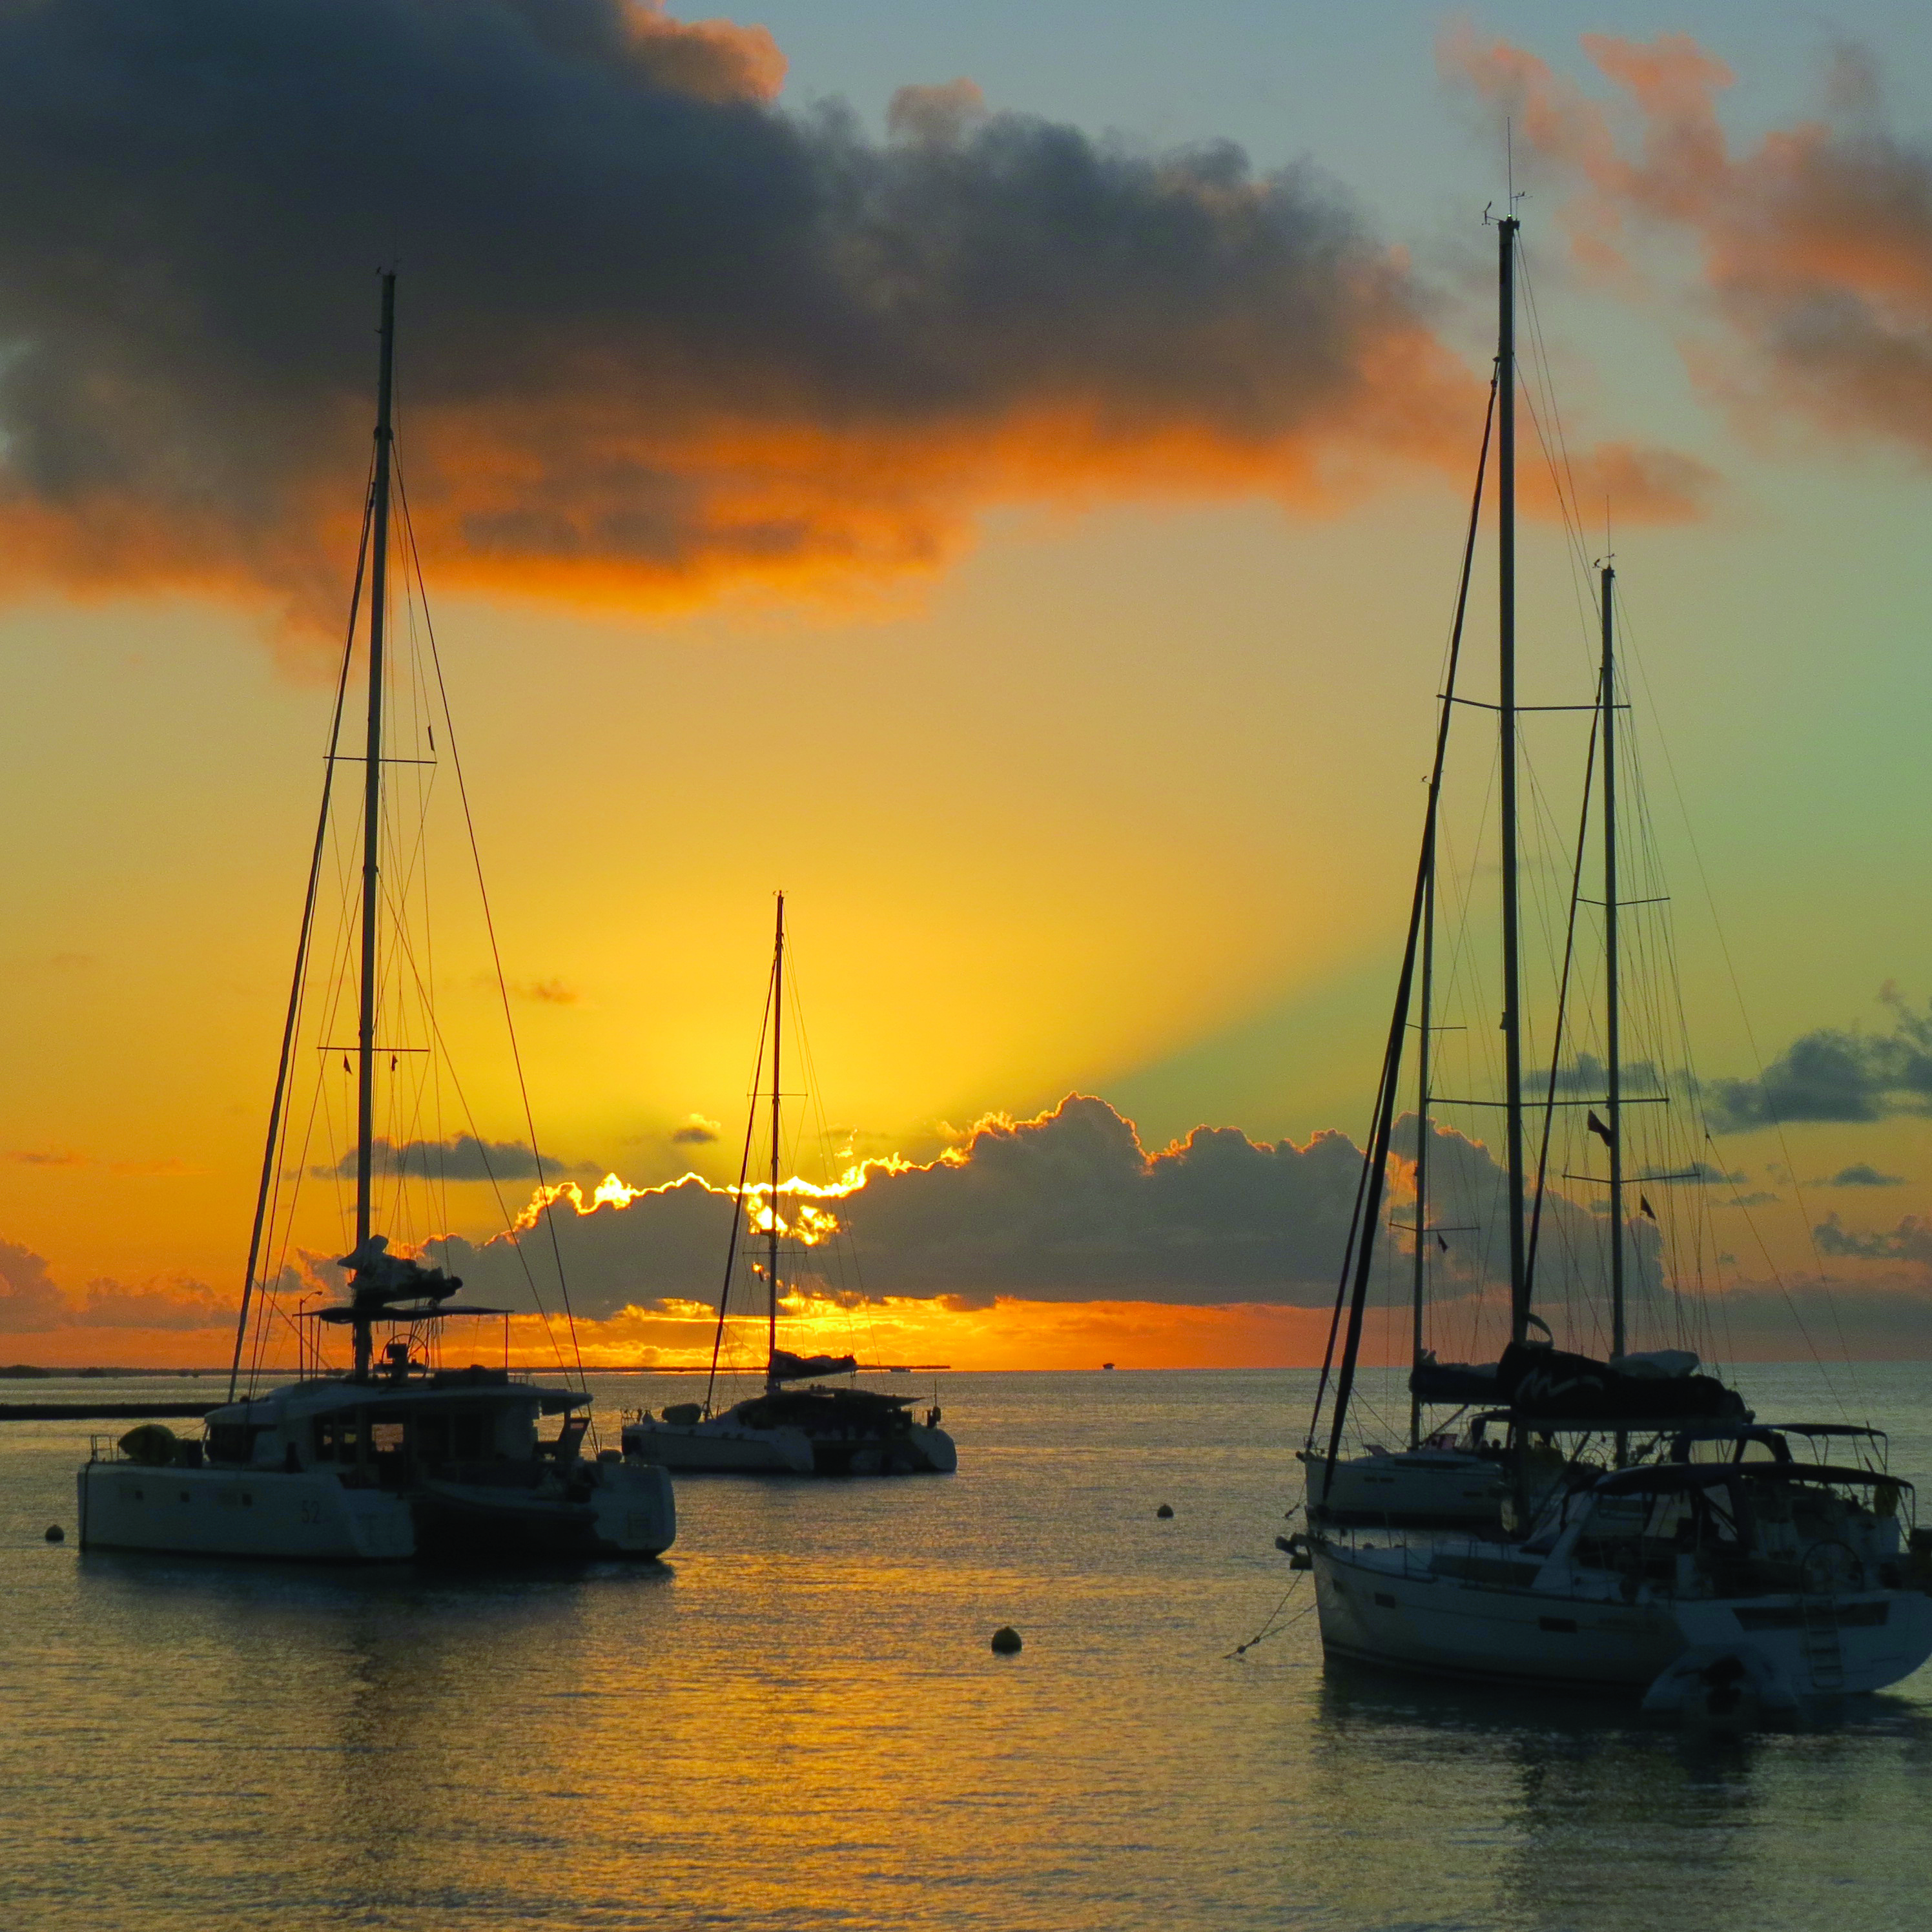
point(1422, 1040)
point(1613, 1020)
point(772, 1232)
point(372, 796)
point(1506, 715)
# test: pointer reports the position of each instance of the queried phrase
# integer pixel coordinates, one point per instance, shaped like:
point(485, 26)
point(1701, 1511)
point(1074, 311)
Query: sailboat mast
point(1422, 1038)
point(1612, 994)
point(372, 794)
point(772, 1231)
point(1506, 714)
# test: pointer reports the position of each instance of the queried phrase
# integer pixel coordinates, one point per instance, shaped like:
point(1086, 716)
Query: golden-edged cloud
point(660, 336)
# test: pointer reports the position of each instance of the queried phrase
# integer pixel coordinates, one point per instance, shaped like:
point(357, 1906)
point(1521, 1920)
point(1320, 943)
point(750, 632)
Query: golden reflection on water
point(797, 1723)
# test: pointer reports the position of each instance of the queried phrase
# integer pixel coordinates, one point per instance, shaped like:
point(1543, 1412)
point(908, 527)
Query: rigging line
point(1573, 518)
point(1361, 1227)
point(490, 926)
point(403, 947)
point(1743, 1015)
point(738, 1199)
point(306, 928)
point(1376, 1165)
point(1562, 1001)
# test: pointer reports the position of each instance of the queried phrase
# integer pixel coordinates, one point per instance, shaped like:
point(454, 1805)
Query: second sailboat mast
point(1506, 713)
point(372, 781)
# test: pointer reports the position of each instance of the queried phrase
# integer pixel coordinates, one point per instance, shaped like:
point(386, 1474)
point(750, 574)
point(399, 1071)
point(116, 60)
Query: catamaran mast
point(1613, 1017)
point(1506, 714)
point(771, 1230)
point(372, 799)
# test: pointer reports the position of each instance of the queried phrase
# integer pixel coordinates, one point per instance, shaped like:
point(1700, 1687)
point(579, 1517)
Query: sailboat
point(1623, 1524)
point(398, 1456)
point(797, 1425)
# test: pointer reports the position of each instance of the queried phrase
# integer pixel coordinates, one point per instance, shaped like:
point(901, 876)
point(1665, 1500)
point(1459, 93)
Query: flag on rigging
point(346, 1067)
point(1643, 1202)
point(1442, 1244)
point(1602, 1133)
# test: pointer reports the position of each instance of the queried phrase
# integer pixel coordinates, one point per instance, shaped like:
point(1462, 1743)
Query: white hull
point(1414, 1486)
point(241, 1512)
point(312, 1516)
point(722, 1446)
point(1377, 1609)
point(718, 1448)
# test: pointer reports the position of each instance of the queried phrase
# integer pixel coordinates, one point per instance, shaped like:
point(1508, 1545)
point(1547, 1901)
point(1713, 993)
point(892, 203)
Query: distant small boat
point(786, 1429)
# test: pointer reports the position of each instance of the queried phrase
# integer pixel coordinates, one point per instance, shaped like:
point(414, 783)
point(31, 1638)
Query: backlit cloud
point(660, 335)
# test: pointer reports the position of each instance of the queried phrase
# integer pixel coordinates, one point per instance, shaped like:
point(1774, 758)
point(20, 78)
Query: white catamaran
point(1622, 1524)
point(787, 1429)
point(398, 1456)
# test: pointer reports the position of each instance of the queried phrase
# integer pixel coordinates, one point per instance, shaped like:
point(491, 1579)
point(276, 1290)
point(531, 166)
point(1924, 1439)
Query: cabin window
point(337, 1439)
point(387, 1439)
point(232, 1442)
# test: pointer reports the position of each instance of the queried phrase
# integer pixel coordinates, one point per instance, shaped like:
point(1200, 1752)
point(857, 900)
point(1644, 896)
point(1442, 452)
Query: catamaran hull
point(722, 1450)
point(289, 1515)
point(620, 1511)
point(1446, 1627)
point(706, 1449)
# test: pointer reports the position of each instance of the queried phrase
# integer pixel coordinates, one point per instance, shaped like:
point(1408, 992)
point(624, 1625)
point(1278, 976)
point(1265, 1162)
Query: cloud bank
point(659, 335)
point(31, 1302)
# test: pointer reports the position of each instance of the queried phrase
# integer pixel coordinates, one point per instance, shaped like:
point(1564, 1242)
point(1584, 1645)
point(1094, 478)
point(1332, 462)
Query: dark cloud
point(693, 1136)
point(545, 992)
point(461, 1157)
point(659, 334)
point(1831, 1075)
point(28, 1299)
point(1587, 1076)
point(30, 1302)
point(1911, 1240)
point(1070, 1207)
point(177, 1303)
point(1067, 1207)
point(1861, 1174)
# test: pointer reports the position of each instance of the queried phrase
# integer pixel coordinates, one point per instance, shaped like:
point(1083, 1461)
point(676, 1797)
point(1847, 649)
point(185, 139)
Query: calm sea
point(795, 1721)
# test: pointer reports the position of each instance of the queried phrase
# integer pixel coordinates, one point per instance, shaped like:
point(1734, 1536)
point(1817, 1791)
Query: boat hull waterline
point(1376, 1606)
point(625, 1510)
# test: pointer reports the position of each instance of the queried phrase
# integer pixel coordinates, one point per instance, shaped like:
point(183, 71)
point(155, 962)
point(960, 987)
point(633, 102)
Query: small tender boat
point(787, 1429)
point(398, 1456)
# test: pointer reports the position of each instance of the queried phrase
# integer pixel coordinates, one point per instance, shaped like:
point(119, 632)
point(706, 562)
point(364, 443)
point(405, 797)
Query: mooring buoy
point(56, 1534)
point(1006, 1640)
point(1165, 1511)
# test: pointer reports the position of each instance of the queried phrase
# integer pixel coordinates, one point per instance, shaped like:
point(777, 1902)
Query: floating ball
point(1165, 1511)
point(1006, 1640)
point(56, 1534)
